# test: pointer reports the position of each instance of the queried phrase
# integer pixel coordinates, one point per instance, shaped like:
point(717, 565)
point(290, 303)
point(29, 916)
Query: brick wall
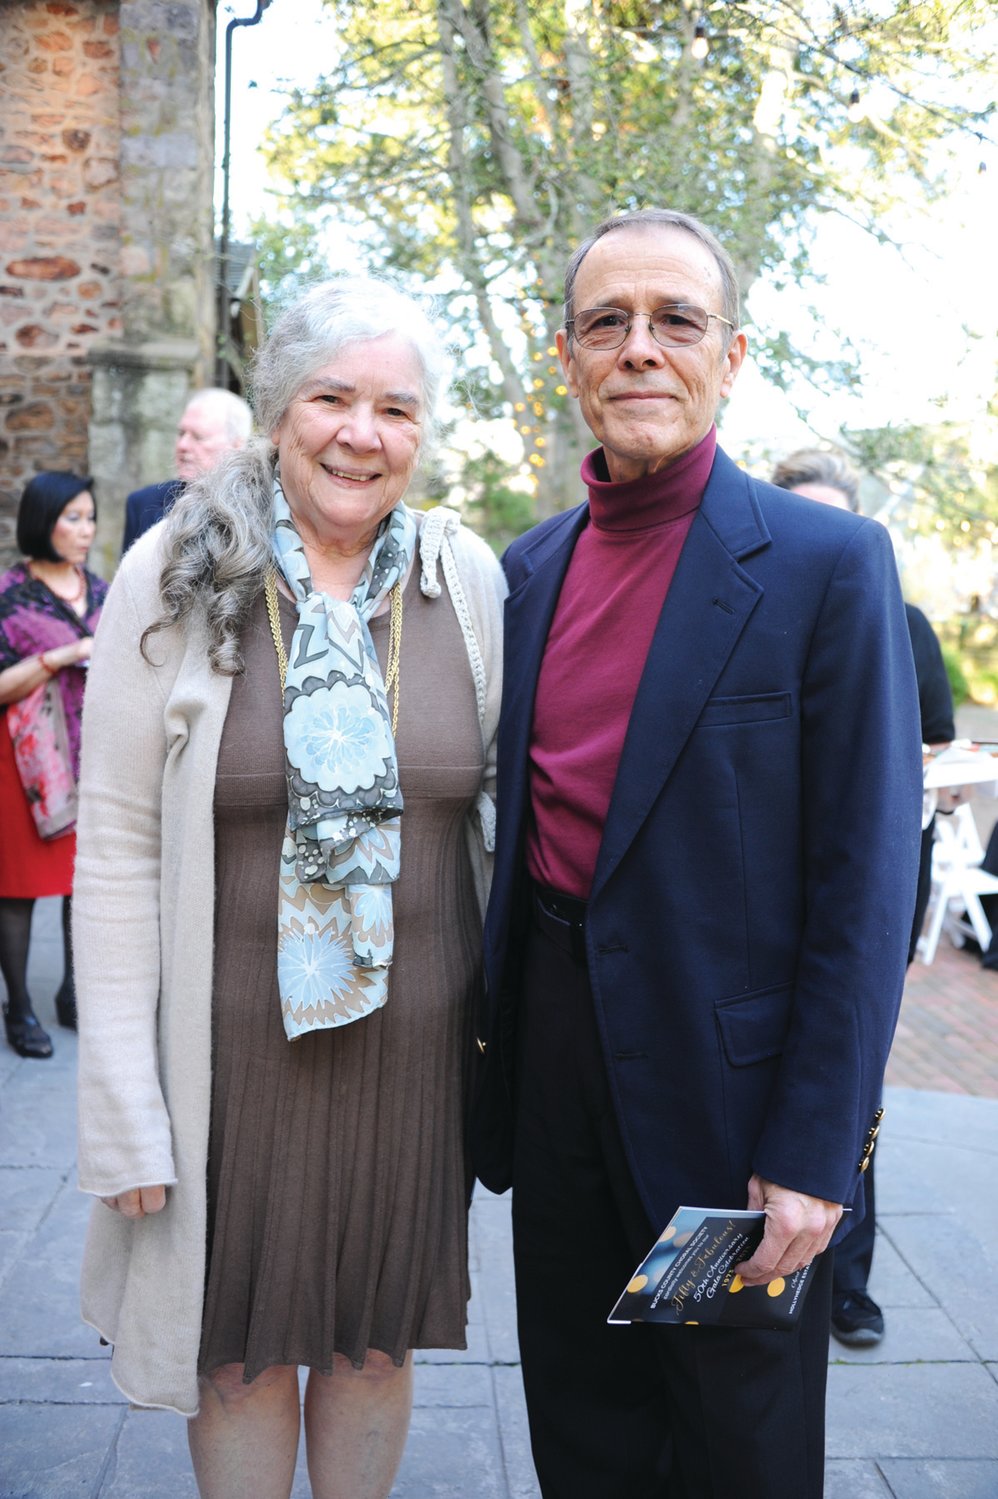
point(106, 248)
point(60, 229)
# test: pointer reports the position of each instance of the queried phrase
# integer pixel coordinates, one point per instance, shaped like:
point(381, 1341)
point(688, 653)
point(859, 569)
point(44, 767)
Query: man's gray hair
point(827, 466)
point(232, 410)
point(665, 218)
point(331, 315)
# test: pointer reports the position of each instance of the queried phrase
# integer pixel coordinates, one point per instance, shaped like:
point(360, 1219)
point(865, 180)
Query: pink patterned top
point(33, 619)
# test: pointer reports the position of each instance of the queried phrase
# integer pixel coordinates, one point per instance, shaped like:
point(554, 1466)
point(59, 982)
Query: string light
point(700, 45)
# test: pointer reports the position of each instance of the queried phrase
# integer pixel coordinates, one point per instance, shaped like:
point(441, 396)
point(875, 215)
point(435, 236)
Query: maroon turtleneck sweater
point(610, 601)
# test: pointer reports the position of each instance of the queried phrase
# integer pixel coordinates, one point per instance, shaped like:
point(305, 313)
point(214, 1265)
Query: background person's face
point(73, 533)
point(825, 494)
point(202, 438)
point(647, 404)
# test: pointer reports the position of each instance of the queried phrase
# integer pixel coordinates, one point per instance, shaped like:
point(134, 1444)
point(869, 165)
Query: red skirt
point(30, 867)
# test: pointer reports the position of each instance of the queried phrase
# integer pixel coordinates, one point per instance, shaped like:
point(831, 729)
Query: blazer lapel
point(529, 610)
point(536, 574)
point(708, 606)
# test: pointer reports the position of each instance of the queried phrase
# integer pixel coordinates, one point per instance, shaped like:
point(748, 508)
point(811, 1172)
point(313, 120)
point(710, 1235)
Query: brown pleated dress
point(337, 1177)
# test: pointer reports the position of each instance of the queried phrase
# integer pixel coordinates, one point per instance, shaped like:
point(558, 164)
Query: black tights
point(15, 939)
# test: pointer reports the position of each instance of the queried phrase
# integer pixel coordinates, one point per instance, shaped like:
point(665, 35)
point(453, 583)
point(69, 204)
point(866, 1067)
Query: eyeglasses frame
point(632, 316)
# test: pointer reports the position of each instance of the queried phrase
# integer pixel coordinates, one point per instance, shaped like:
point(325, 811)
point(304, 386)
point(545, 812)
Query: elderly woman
point(49, 607)
point(283, 832)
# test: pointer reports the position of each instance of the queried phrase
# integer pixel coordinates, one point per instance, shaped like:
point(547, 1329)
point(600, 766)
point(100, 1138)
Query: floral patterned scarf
point(341, 845)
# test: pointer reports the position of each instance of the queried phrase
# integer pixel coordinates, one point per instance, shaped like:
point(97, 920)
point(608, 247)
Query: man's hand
point(797, 1228)
point(137, 1202)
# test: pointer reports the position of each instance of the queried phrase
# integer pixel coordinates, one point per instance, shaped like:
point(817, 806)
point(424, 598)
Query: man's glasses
point(675, 325)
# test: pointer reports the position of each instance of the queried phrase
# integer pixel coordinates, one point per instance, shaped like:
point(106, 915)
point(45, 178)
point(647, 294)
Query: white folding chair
point(958, 882)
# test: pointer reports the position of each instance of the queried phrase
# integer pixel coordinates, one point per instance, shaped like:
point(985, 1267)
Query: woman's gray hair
point(826, 466)
point(331, 315)
point(218, 538)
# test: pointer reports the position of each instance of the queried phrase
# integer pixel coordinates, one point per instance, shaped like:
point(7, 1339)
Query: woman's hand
point(71, 654)
point(24, 676)
point(137, 1202)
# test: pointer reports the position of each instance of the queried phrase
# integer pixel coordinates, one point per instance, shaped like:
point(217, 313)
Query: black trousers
point(637, 1412)
point(854, 1253)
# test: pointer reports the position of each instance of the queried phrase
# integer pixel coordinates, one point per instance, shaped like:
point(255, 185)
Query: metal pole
point(222, 304)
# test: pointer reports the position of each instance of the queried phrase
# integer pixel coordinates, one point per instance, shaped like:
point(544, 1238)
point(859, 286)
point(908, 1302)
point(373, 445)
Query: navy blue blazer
point(144, 507)
point(749, 917)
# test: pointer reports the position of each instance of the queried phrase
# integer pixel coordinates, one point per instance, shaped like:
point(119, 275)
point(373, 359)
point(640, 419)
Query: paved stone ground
point(914, 1418)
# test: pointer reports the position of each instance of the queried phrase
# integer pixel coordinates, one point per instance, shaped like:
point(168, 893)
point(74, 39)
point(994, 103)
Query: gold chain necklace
point(393, 669)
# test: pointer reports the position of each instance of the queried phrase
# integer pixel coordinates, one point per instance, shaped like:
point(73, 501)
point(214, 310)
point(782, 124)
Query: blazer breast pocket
point(754, 1026)
point(760, 707)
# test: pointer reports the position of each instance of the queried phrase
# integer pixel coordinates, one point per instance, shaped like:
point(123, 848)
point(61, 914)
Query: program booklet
point(688, 1276)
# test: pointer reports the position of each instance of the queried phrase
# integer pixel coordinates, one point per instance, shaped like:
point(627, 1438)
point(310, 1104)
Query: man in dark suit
point(708, 811)
point(214, 422)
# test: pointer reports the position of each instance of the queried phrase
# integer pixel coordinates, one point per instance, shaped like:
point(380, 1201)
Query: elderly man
point(214, 422)
point(709, 794)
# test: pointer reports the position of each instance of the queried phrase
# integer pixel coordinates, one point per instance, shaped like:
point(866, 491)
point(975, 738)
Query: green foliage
point(474, 143)
point(289, 255)
point(969, 643)
point(939, 485)
point(496, 507)
point(959, 686)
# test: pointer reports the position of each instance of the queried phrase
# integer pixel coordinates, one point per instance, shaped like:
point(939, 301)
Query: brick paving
point(947, 1035)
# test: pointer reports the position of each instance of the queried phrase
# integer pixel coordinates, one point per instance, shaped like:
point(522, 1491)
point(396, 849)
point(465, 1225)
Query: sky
point(923, 316)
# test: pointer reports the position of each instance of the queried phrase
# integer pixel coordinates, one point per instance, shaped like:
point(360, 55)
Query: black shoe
point(26, 1036)
point(65, 1007)
point(857, 1320)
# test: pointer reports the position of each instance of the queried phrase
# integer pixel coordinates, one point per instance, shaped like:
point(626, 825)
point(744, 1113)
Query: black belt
point(563, 919)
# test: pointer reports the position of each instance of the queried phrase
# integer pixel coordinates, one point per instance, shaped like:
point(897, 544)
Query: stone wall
point(106, 253)
point(166, 348)
point(60, 231)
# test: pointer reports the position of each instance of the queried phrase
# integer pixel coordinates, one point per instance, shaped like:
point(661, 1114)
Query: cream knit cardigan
point(143, 909)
